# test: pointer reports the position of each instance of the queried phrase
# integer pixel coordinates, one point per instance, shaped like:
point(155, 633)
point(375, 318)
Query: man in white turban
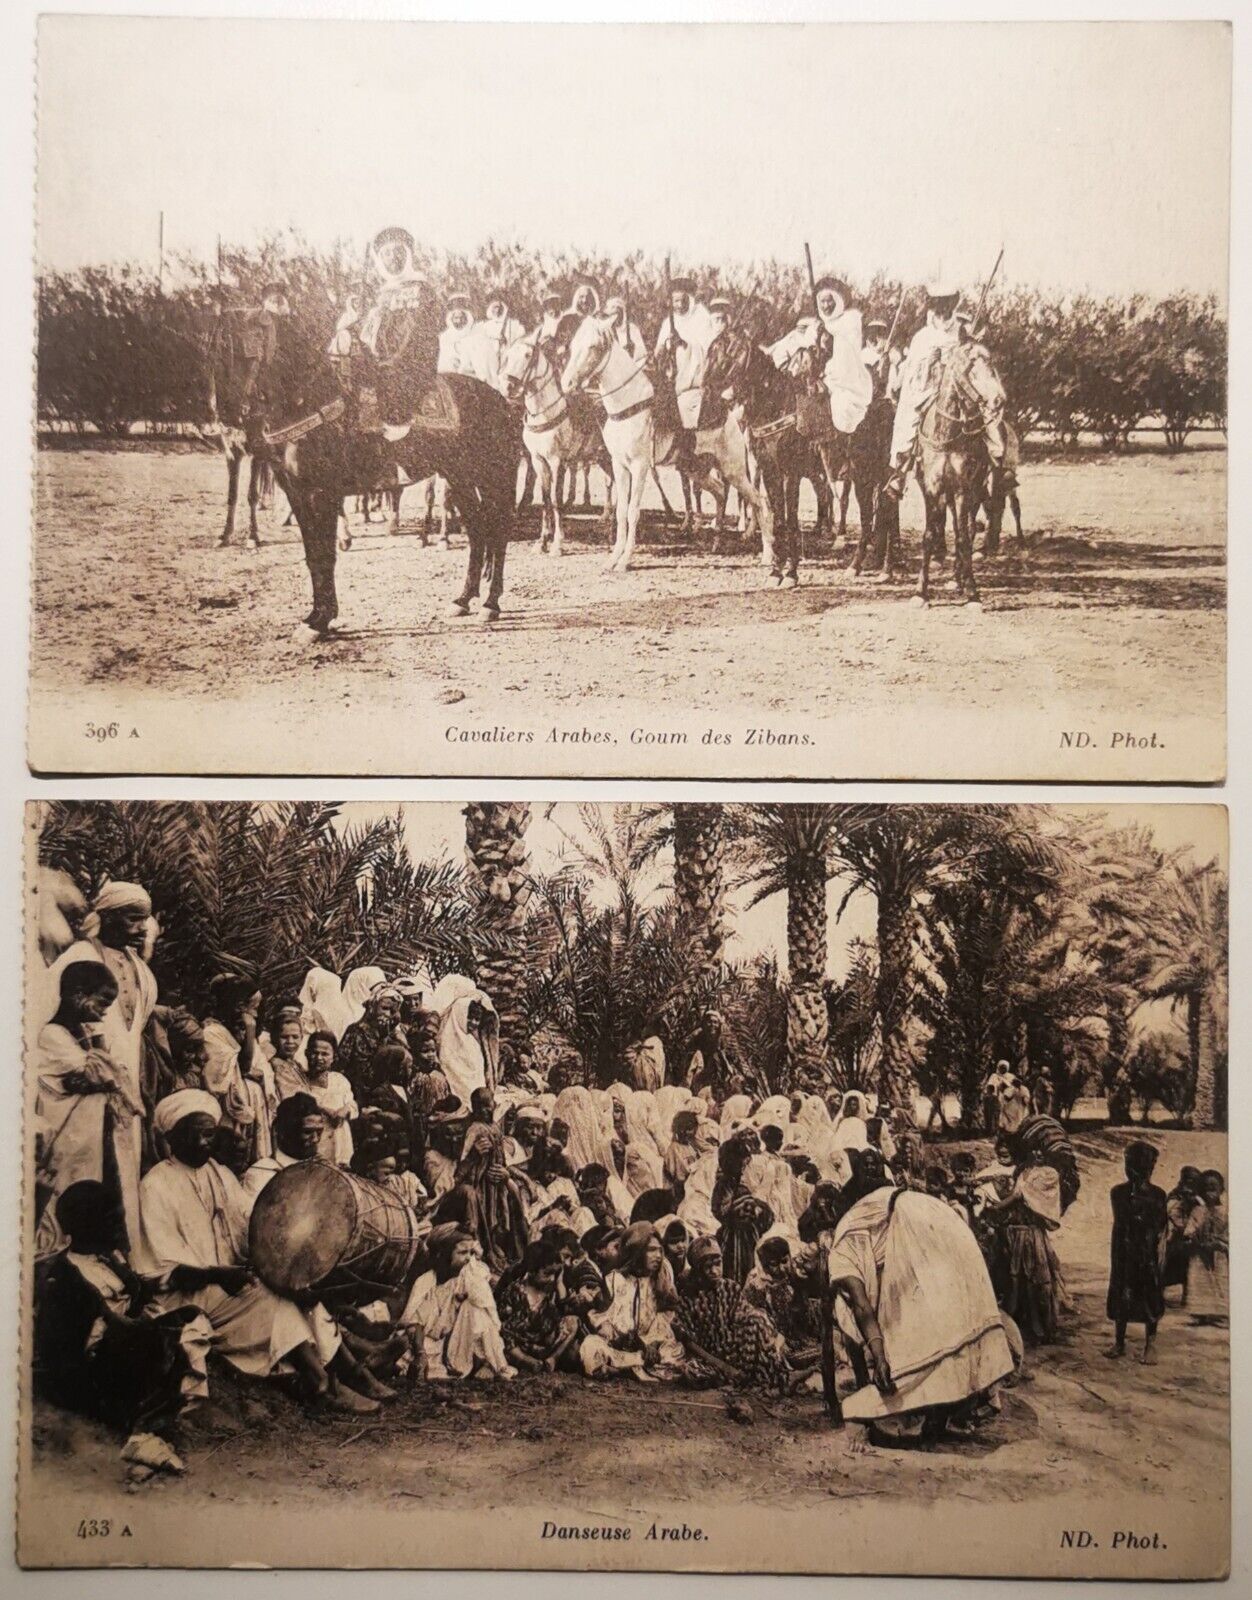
point(114, 934)
point(194, 1241)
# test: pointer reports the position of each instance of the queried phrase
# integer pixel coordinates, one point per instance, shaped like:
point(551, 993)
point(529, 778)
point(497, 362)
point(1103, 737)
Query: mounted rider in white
point(919, 384)
point(458, 321)
point(383, 335)
point(836, 332)
point(585, 300)
point(625, 329)
point(489, 339)
point(682, 342)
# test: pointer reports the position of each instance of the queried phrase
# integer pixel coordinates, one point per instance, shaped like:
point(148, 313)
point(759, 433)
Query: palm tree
point(787, 849)
point(699, 837)
point(901, 854)
point(496, 848)
point(277, 888)
point(1189, 966)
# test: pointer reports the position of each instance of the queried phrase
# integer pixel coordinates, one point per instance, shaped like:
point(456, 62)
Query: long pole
point(808, 262)
point(982, 298)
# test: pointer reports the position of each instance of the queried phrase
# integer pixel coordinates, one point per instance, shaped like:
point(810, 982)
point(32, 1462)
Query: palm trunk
point(698, 881)
point(495, 845)
point(808, 1022)
point(895, 984)
point(1203, 1061)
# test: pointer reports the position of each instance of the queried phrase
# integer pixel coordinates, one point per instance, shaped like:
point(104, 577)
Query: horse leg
point(548, 492)
point(498, 511)
point(428, 511)
point(966, 583)
point(621, 496)
point(845, 495)
point(254, 490)
point(934, 515)
point(688, 524)
point(638, 480)
point(887, 531)
point(558, 532)
point(317, 512)
point(474, 525)
point(232, 493)
point(441, 510)
point(778, 487)
point(1015, 506)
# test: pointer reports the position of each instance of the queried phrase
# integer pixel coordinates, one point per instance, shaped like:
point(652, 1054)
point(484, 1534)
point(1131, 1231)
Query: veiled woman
point(916, 1301)
point(637, 1323)
point(723, 1331)
point(744, 1219)
point(487, 1199)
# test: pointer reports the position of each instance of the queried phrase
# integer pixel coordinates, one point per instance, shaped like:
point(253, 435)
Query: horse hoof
point(971, 605)
point(489, 617)
point(459, 608)
point(919, 602)
point(310, 632)
point(791, 581)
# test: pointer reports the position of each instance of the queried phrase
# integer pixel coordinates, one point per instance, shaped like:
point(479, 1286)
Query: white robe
point(925, 1277)
point(695, 328)
point(918, 378)
point(122, 1039)
point(198, 1217)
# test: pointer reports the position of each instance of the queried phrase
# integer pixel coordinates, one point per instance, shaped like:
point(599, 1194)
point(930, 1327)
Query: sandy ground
point(1083, 1427)
point(1112, 617)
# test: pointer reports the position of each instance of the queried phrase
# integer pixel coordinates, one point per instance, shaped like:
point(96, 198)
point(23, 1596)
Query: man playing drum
point(193, 1241)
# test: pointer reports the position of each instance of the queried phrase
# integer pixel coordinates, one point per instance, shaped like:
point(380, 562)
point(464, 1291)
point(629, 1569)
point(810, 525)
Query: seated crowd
point(677, 1232)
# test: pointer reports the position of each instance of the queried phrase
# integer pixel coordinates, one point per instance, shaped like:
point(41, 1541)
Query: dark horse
point(862, 460)
point(953, 459)
point(740, 371)
point(462, 429)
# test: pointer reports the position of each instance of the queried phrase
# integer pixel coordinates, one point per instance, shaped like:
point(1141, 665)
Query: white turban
point(184, 1103)
point(122, 897)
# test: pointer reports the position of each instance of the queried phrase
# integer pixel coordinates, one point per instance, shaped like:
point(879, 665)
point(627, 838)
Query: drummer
point(193, 1242)
point(299, 1128)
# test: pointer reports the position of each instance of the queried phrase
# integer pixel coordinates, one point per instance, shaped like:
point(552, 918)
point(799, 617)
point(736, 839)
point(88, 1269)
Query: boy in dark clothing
point(1136, 1275)
point(95, 1352)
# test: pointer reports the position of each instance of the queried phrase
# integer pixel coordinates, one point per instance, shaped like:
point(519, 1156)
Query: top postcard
point(818, 401)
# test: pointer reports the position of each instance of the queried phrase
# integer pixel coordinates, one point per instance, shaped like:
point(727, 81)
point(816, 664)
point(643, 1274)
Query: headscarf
point(696, 1208)
point(322, 1004)
point(358, 986)
point(184, 1103)
point(587, 1143)
point(736, 1109)
point(669, 1099)
point(634, 1243)
point(849, 1131)
point(467, 1061)
point(119, 896)
point(774, 1112)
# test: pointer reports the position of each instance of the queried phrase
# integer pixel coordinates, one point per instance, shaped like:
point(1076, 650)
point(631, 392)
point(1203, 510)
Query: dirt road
point(1112, 621)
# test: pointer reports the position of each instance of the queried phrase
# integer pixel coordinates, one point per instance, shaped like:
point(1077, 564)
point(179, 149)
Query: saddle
point(437, 412)
point(813, 419)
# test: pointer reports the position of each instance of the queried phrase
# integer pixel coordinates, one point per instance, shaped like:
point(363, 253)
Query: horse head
point(728, 362)
point(589, 349)
point(524, 364)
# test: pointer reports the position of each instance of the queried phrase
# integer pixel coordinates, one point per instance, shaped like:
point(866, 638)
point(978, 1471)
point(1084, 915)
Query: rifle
point(630, 338)
point(884, 360)
point(982, 298)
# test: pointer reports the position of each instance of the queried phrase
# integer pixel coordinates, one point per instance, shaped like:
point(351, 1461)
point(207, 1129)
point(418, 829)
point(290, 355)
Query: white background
point(17, 68)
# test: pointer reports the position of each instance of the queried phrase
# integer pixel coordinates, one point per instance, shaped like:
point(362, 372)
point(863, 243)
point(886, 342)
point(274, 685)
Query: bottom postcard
point(761, 1187)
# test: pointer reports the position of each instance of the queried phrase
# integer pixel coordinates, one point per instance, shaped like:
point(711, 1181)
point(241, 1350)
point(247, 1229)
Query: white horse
point(602, 366)
point(551, 433)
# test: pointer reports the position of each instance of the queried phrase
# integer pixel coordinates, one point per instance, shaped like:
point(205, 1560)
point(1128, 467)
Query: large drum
point(320, 1227)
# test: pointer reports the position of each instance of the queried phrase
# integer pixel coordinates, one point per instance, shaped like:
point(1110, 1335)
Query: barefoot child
point(1136, 1277)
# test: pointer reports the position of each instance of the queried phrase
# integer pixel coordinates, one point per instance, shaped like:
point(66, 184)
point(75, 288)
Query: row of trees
point(1001, 932)
point(116, 346)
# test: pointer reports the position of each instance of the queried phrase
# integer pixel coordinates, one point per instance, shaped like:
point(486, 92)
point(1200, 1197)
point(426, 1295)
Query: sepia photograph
point(753, 401)
point(782, 1187)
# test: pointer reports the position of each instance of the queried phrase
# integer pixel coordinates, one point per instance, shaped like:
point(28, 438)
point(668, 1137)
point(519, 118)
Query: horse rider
point(259, 344)
point(457, 322)
point(585, 299)
point(394, 342)
point(720, 307)
point(551, 310)
point(836, 335)
point(682, 347)
point(489, 338)
point(883, 363)
point(625, 329)
point(919, 384)
point(1009, 461)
